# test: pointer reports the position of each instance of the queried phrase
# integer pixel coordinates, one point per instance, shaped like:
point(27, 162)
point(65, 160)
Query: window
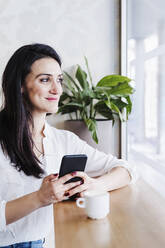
point(146, 66)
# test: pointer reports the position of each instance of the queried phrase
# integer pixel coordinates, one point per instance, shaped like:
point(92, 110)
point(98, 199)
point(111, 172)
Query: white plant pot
point(108, 136)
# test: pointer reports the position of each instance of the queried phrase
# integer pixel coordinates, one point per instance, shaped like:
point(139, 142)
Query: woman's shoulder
point(55, 132)
point(3, 158)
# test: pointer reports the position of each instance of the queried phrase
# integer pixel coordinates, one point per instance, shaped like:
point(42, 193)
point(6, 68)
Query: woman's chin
point(52, 110)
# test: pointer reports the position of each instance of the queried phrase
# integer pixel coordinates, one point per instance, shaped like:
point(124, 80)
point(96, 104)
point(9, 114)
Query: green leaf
point(129, 106)
point(119, 103)
point(122, 104)
point(112, 80)
point(91, 124)
point(123, 89)
point(108, 103)
point(89, 73)
point(82, 78)
point(69, 108)
point(72, 80)
point(116, 109)
point(64, 96)
point(74, 104)
point(102, 109)
point(101, 92)
point(68, 88)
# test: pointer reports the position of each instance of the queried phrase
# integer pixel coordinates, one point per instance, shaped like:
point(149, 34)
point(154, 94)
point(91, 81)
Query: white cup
point(96, 204)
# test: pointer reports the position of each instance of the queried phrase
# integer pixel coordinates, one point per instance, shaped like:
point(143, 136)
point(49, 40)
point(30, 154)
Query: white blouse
point(14, 184)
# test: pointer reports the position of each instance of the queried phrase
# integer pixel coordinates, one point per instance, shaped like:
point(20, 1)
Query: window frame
point(123, 66)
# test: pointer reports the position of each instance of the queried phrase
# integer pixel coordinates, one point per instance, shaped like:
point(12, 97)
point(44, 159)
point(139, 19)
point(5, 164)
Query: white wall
point(74, 27)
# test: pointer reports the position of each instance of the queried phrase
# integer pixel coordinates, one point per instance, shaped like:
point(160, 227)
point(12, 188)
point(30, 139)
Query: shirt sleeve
point(99, 163)
point(2, 216)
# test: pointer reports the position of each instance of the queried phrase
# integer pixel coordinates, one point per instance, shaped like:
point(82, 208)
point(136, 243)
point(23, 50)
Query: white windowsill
point(153, 176)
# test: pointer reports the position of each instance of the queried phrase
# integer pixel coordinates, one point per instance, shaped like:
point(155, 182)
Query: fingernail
point(56, 174)
point(73, 173)
point(82, 181)
point(66, 194)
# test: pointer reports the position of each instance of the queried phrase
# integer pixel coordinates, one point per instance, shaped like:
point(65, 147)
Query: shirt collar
point(46, 130)
point(48, 144)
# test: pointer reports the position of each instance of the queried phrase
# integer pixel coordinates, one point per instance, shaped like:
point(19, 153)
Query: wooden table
point(136, 220)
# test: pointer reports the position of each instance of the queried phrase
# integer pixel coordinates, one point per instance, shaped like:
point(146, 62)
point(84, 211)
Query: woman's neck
point(39, 125)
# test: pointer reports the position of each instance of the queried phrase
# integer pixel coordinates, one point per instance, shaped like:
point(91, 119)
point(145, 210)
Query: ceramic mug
point(96, 204)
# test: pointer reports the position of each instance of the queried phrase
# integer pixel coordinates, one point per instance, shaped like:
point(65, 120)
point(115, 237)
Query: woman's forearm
point(50, 192)
point(118, 177)
point(20, 207)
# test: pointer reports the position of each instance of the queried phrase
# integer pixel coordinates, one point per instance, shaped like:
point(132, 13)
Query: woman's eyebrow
point(43, 74)
point(47, 74)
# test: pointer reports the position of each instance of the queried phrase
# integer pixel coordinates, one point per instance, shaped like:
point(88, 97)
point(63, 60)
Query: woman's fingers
point(70, 186)
point(80, 174)
point(67, 177)
point(51, 177)
point(86, 184)
point(78, 189)
point(55, 177)
point(71, 175)
point(61, 190)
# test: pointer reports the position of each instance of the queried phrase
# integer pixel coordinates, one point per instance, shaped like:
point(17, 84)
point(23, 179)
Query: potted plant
point(86, 102)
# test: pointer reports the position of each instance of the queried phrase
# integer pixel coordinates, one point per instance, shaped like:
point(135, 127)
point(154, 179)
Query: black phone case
point(72, 163)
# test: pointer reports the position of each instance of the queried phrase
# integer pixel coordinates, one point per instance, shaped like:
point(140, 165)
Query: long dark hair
point(15, 136)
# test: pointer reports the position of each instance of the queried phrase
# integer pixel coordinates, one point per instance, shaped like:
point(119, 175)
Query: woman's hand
point(87, 183)
point(54, 189)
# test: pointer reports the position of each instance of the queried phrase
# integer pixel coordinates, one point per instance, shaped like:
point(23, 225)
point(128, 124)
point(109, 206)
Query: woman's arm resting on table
point(117, 178)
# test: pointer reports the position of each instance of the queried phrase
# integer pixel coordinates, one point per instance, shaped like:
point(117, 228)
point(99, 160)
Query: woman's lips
point(52, 98)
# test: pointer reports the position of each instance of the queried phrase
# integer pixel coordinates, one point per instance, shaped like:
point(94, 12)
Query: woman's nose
point(54, 87)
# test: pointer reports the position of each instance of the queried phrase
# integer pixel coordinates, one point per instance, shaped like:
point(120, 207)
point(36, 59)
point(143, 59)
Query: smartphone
point(72, 163)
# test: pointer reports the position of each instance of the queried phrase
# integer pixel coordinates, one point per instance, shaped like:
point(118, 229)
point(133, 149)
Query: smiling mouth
point(52, 98)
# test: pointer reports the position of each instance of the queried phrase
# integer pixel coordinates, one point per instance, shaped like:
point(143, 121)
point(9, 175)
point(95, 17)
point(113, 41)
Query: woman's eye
point(44, 80)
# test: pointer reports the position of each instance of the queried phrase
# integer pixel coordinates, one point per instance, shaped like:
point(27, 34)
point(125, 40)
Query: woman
point(31, 150)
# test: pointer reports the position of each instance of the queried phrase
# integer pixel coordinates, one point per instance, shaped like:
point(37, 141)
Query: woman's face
point(43, 85)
